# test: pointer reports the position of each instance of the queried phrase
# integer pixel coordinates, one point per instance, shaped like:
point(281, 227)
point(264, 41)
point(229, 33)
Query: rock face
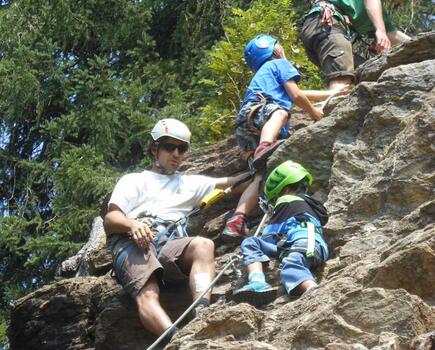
point(373, 160)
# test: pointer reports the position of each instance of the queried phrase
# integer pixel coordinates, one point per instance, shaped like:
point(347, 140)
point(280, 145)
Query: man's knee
point(202, 246)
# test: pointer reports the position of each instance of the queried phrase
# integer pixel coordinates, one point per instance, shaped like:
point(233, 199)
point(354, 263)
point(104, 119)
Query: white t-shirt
point(170, 197)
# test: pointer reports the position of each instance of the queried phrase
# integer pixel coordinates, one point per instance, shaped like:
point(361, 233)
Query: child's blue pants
point(296, 267)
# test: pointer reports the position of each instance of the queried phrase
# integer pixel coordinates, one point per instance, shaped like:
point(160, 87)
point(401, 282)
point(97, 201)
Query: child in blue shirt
point(263, 120)
point(294, 234)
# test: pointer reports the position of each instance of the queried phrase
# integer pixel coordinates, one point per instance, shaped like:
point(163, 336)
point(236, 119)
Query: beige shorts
point(133, 266)
point(330, 50)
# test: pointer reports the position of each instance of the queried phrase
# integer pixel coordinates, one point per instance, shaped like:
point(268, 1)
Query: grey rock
point(372, 159)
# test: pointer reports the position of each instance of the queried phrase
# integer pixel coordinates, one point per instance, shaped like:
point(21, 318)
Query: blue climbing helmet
point(259, 50)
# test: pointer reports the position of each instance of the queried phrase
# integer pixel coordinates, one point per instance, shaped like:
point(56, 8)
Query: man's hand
point(382, 41)
point(141, 234)
point(375, 13)
point(116, 221)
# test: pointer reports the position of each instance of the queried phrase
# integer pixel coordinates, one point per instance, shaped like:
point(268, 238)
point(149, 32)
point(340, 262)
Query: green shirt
point(357, 13)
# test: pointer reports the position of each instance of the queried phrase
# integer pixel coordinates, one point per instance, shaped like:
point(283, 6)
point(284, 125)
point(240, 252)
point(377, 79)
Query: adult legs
point(151, 313)
point(329, 49)
point(336, 61)
point(198, 261)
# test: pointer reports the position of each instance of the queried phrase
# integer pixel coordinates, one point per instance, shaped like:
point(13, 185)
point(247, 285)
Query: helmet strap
point(162, 170)
point(278, 51)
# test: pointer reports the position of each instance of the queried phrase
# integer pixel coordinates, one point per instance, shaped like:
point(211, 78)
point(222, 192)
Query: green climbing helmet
point(285, 174)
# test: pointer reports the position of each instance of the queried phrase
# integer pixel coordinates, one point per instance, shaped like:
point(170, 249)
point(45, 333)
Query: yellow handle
point(212, 198)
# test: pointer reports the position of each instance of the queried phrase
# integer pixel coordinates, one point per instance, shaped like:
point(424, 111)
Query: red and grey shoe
point(236, 227)
point(263, 152)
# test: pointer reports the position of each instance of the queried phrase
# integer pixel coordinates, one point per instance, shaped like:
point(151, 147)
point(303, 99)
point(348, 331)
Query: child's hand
point(317, 114)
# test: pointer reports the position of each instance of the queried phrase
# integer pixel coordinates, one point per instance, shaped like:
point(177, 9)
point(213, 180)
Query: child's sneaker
point(263, 152)
point(257, 287)
point(236, 227)
point(255, 293)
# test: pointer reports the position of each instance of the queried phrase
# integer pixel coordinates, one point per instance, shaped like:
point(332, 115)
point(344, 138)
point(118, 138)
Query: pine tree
point(82, 84)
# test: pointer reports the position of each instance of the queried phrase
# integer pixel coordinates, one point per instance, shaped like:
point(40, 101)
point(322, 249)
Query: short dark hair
point(301, 186)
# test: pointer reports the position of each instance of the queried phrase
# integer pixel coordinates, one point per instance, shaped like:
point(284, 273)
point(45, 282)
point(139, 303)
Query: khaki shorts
point(330, 50)
point(133, 266)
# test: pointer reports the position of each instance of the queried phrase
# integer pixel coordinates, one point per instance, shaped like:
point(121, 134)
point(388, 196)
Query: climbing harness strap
point(311, 239)
point(167, 231)
point(329, 10)
point(254, 109)
point(284, 247)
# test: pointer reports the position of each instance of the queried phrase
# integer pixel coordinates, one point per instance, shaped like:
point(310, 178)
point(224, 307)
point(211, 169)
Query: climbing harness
point(232, 261)
point(168, 230)
point(263, 101)
point(284, 247)
point(254, 109)
point(328, 10)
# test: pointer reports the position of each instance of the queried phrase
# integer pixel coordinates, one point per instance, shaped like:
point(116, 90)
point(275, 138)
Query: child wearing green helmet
point(294, 234)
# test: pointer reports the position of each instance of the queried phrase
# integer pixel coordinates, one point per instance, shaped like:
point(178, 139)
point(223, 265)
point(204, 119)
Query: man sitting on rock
point(329, 26)
point(294, 235)
point(140, 209)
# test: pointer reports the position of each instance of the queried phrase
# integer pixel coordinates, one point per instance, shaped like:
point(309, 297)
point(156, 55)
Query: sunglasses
point(170, 147)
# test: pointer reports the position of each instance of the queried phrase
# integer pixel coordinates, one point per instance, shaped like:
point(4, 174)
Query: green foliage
point(77, 101)
point(3, 328)
point(82, 84)
point(414, 16)
point(225, 72)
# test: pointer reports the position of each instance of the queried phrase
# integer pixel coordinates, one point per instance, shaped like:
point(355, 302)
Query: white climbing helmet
point(171, 128)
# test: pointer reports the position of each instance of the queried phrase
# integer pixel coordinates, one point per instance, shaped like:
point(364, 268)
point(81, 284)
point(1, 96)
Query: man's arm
point(224, 182)
point(300, 100)
point(116, 221)
point(374, 11)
